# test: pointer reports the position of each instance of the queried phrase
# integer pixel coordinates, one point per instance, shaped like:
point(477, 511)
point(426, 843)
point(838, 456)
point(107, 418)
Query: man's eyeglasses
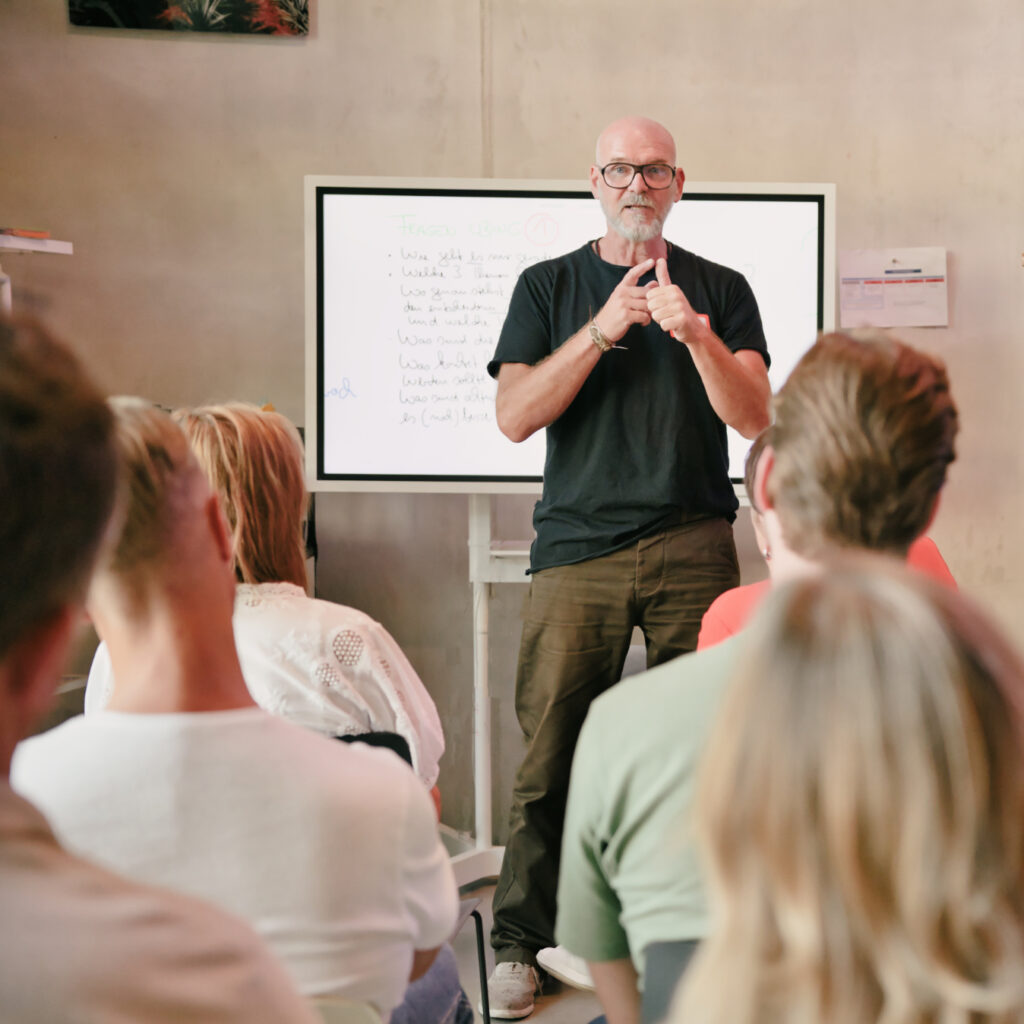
point(657, 176)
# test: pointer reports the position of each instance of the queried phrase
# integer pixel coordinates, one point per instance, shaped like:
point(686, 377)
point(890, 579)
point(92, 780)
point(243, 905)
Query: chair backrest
point(345, 1011)
point(664, 965)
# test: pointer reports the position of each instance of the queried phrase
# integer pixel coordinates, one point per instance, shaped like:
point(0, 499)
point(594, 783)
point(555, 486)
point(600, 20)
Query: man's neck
point(784, 564)
point(613, 248)
point(170, 662)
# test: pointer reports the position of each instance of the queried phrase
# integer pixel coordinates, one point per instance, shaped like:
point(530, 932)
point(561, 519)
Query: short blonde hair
point(863, 436)
point(861, 805)
point(253, 460)
point(163, 488)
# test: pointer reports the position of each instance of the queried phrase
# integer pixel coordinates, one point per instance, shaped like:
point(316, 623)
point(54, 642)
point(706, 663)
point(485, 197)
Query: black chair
point(664, 964)
point(389, 740)
point(467, 910)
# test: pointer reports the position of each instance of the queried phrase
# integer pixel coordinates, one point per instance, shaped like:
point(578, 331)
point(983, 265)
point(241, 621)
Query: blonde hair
point(861, 806)
point(253, 460)
point(162, 486)
point(863, 436)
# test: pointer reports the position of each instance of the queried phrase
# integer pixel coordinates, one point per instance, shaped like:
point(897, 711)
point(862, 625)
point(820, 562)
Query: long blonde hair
point(861, 808)
point(252, 458)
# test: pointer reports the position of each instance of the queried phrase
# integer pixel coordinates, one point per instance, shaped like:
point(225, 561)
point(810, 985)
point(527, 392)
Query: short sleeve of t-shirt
point(729, 612)
point(526, 333)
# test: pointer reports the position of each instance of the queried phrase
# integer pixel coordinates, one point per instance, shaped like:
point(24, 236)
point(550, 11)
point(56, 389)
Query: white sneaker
point(564, 966)
point(511, 989)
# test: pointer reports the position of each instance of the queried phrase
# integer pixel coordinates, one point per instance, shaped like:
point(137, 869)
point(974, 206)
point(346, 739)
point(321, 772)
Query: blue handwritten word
point(345, 391)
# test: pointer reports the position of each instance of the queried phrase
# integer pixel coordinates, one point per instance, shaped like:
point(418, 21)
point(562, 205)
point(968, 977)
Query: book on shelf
point(18, 243)
point(25, 232)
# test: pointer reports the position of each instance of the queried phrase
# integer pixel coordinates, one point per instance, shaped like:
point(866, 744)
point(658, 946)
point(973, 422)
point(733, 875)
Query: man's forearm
point(736, 384)
point(617, 987)
point(531, 397)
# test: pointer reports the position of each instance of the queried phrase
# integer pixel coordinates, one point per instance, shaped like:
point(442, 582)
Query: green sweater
point(629, 873)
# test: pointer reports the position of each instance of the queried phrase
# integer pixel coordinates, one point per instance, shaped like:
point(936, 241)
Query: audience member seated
point(80, 943)
point(863, 436)
point(729, 612)
point(859, 806)
point(319, 664)
point(330, 850)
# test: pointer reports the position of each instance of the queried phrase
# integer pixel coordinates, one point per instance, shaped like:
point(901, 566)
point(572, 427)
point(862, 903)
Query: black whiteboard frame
point(317, 187)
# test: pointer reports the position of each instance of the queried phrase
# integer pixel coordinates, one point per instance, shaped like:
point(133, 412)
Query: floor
point(562, 1005)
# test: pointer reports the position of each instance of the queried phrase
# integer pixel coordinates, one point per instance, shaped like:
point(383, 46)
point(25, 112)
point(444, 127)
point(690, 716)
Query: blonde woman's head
point(253, 460)
point(164, 491)
point(861, 805)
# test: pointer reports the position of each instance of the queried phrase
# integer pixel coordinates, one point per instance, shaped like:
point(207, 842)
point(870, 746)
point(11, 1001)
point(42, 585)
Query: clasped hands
point(661, 301)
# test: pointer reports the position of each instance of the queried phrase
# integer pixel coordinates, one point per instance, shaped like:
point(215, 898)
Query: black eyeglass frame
point(638, 169)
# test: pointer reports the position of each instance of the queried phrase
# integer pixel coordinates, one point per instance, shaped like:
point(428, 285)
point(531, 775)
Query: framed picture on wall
point(247, 17)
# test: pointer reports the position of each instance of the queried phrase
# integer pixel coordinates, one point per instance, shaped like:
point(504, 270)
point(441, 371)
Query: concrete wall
point(175, 164)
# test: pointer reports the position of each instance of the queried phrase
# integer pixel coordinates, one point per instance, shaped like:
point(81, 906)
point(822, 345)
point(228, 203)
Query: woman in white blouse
point(319, 664)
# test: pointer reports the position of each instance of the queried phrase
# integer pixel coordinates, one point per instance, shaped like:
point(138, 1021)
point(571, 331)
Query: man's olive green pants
point(578, 622)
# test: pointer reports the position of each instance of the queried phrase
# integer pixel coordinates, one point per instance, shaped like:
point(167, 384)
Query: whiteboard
point(408, 283)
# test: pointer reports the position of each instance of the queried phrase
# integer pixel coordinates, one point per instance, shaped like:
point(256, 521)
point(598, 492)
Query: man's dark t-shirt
point(639, 448)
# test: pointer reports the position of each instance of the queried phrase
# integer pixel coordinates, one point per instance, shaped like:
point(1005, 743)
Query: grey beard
point(635, 232)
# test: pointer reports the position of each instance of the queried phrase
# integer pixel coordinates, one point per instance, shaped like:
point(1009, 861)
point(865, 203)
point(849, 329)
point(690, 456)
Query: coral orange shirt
point(729, 612)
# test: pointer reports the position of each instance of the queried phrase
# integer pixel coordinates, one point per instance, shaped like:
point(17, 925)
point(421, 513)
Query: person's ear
point(219, 528)
point(595, 178)
point(765, 465)
point(680, 182)
point(931, 515)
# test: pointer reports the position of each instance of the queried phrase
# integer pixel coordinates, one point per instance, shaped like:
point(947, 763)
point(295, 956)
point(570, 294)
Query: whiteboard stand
point(489, 562)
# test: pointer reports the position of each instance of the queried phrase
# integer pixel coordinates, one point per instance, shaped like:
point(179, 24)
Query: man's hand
point(671, 310)
point(627, 305)
point(736, 382)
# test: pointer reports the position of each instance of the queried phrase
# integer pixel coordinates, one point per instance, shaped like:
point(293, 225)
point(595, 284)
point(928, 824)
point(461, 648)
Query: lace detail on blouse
point(326, 675)
point(252, 595)
point(347, 647)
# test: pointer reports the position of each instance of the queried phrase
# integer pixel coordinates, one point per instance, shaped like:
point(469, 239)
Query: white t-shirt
point(323, 666)
point(329, 850)
point(77, 943)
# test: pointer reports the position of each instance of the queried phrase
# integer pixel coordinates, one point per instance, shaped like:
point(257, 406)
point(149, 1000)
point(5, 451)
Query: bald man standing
point(633, 354)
